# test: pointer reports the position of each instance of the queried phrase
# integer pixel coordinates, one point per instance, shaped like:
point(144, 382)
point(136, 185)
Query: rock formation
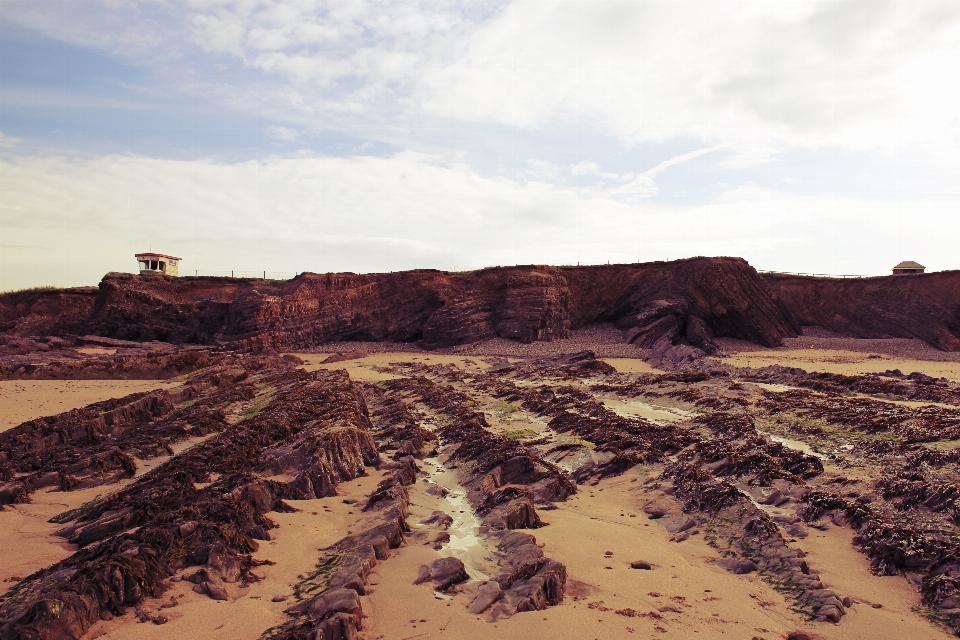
point(688, 301)
point(657, 305)
point(924, 306)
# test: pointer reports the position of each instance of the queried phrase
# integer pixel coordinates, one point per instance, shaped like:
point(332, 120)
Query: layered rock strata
point(925, 306)
point(690, 301)
point(136, 538)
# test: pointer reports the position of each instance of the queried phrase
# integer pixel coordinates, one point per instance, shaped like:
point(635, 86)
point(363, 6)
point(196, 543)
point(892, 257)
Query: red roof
point(156, 255)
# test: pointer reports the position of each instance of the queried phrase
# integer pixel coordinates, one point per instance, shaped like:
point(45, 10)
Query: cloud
point(585, 168)
point(8, 142)
point(645, 186)
point(405, 211)
point(284, 134)
point(525, 126)
point(800, 73)
point(858, 73)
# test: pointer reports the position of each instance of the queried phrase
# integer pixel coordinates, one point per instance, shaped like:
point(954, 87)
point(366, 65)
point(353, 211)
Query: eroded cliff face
point(688, 301)
point(656, 305)
point(917, 306)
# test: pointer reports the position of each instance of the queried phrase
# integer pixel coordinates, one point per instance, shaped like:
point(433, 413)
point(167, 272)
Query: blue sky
point(300, 135)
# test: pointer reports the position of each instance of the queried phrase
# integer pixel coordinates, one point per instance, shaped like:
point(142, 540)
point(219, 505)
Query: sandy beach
point(596, 533)
point(22, 400)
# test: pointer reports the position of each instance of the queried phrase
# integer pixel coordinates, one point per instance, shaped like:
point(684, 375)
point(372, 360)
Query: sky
point(283, 136)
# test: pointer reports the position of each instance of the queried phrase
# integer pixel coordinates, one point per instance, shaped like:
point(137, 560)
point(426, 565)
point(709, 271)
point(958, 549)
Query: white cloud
point(406, 211)
point(808, 72)
point(285, 134)
point(8, 142)
point(645, 186)
point(505, 82)
point(585, 168)
point(762, 75)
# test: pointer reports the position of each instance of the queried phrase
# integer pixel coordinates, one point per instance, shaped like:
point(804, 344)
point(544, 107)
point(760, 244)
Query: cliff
point(917, 306)
point(655, 304)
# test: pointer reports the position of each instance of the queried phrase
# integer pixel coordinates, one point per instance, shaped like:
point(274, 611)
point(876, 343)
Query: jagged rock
point(737, 566)
point(339, 626)
point(213, 588)
point(438, 518)
point(443, 572)
point(162, 521)
point(515, 514)
point(677, 524)
point(544, 587)
point(489, 593)
point(341, 357)
point(441, 539)
point(829, 613)
point(921, 307)
point(706, 297)
point(335, 601)
point(259, 533)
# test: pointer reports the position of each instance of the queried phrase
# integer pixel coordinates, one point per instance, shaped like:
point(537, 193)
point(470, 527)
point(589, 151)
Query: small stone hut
point(158, 264)
point(908, 267)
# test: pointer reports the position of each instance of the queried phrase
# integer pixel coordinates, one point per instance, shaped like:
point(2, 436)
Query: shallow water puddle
point(466, 531)
point(796, 445)
point(637, 409)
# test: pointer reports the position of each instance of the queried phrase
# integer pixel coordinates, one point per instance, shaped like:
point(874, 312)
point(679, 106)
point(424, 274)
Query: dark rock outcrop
point(163, 522)
point(686, 302)
point(923, 306)
point(689, 301)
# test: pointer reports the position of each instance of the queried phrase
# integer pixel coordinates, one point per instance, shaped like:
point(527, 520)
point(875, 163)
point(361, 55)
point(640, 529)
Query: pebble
point(278, 598)
point(641, 564)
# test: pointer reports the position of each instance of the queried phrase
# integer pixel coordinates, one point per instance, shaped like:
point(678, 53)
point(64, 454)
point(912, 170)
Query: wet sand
point(22, 400)
point(365, 369)
point(836, 361)
point(27, 543)
point(630, 365)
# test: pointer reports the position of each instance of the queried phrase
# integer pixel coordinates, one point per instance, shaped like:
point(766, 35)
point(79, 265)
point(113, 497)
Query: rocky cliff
point(687, 301)
point(918, 306)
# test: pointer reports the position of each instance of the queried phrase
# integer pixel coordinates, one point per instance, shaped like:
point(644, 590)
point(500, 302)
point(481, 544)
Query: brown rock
point(340, 357)
point(489, 593)
point(688, 300)
point(335, 601)
point(737, 566)
point(443, 572)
